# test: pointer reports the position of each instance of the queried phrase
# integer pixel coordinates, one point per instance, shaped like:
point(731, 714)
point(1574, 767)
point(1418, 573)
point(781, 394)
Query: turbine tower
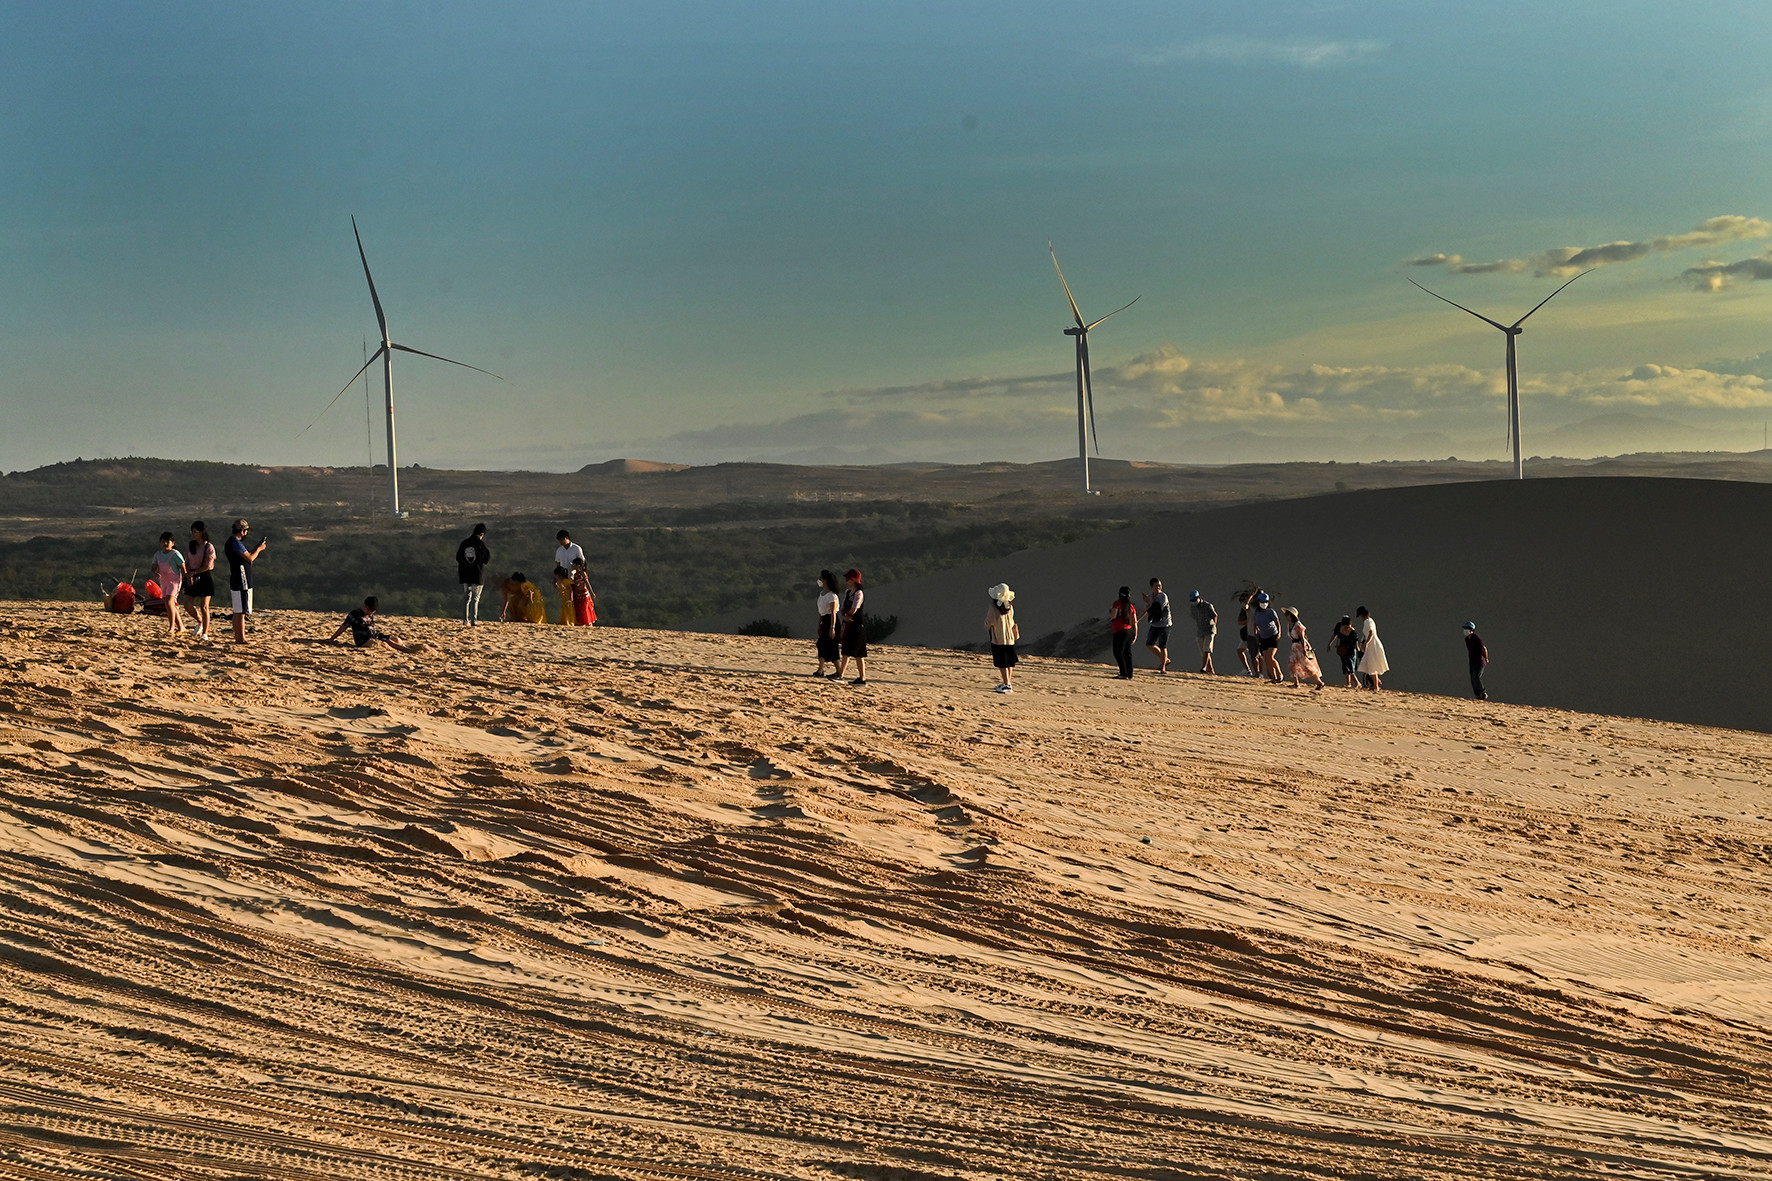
point(385, 354)
point(1513, 370)
point(1085, 390)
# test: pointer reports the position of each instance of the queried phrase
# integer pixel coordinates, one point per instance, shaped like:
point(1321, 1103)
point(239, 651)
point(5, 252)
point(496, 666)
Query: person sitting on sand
point(1003, 631)
point(1301, 661)
point(364, 631)
point(523, 603)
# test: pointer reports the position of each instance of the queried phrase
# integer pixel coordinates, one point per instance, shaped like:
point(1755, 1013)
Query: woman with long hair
point(199, 577)
point(1123, 621)
point(853, 639)
point(1373, 664)
point(1301, 661)
point(828, 624)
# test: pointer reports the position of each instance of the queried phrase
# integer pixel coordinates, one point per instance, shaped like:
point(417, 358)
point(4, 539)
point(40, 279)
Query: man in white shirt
point(567, 552)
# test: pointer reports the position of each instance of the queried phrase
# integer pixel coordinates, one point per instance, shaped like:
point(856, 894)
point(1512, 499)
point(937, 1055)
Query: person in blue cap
point(1479, 655)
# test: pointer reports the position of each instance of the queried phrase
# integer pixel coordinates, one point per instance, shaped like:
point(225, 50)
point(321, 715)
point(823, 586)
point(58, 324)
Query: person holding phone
point(240, 561)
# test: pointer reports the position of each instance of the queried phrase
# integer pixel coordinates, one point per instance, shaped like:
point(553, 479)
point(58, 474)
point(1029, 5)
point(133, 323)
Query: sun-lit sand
point(537, 902)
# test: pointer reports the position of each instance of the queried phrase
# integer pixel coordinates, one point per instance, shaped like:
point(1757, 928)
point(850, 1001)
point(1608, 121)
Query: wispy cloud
point(1715, 275)
point(1310, 54)
point(1564, 261)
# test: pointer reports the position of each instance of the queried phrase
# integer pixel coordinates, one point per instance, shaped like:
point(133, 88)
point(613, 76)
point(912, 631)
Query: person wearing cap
point(1000, 626)
point(1158, 616)
point(1479, 658)
point(1205, 627)
point(1264, 629)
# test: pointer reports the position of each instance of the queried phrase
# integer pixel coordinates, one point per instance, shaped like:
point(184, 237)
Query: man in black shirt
point(1479, 657)
point(364, 632)
point(471, 557)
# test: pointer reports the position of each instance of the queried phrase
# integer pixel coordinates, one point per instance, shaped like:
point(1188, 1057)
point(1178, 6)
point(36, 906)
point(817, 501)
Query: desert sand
point(1620, 595)
point(541, 902)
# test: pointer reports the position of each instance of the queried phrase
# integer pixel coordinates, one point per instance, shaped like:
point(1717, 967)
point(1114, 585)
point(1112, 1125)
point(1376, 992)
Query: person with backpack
point(1123, 626)
point(1205, 627)
point(471, 557)
point(1158, 618)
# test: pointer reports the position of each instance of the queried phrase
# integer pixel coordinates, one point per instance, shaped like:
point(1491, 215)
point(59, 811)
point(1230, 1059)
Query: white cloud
point(1564, 261)
point(1714, 275)
point(1247, 51)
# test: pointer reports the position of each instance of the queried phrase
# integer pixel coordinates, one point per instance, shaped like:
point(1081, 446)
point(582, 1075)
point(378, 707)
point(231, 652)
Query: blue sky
point(710, 231)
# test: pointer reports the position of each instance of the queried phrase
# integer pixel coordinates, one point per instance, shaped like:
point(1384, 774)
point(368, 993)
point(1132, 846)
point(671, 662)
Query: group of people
point(1260, 627)
point(842, 632)
point(523, 601)
point(183, 581)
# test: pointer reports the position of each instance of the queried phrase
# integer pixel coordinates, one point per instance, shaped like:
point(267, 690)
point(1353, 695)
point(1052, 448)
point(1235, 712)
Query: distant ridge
point(630, 467)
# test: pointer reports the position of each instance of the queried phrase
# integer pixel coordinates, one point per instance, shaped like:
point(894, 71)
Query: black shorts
point(1267, 645)
point(1003, 655)
point(1159, 638)
point(199, 586)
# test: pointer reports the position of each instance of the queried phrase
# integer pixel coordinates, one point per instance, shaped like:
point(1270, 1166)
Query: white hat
point(1001, 593)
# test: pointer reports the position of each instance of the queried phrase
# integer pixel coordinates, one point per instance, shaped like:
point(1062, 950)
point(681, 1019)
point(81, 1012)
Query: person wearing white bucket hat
point(1000, 626)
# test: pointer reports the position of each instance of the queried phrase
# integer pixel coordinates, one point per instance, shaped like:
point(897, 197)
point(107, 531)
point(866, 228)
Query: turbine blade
point(1117, 311)
point(435, 357)
point(1548, 298)
point(1088, 388)
point(1462, 308)
point(341, 393)
point(1067, 286)
point(374, 298)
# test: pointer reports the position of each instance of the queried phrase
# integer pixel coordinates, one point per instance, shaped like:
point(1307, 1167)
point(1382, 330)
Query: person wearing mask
point(829, 624)
point(1301, 661)
point(852, 639)
point(1479, 659)
point(471, 557)
point(167, 568)
point(199, 577)
point(1003, 632)
point(1205, 617)
point(1347, 648)
point(241, 562)
point(1264, 628)
point(1373, 664)
point(1123, 630)
point(1158, 618)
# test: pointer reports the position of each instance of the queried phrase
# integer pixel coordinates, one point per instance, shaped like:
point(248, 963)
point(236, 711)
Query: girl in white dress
point(1372, 664)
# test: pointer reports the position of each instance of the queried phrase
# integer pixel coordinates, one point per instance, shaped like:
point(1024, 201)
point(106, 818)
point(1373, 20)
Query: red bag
point(122, 600)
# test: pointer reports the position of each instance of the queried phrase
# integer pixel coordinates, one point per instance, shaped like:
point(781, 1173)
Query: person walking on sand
point(1479, 659)
point(1157, 616)
point(829, 624)
point(199, 577)
point(363, 628)
point(240, 567)
point(1003, 631)
point(1372, 664)
point(852, 643)
point(1205, 617)
point(1264, 628)
point(1245, 645)
point(471, 557)
point(584, 599)
point(1347, 647)
point(1123, 627)
point(1301, 661)
point(167, 567)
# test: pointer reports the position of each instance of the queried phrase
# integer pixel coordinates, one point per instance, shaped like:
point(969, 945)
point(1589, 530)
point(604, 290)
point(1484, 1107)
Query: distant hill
point(1625, 434)
point(1630, 596)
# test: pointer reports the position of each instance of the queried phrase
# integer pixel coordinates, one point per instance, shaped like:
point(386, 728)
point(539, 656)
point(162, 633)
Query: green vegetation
point(766, 627)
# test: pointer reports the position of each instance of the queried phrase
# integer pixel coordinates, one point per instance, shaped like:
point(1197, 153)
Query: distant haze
point(700, 232)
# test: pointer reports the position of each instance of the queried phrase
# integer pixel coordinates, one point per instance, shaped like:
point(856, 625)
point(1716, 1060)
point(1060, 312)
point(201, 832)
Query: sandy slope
point(1633, 596)
point(540, 903)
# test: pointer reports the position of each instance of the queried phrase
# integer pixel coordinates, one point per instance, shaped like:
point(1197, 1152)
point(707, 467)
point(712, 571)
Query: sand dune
point(543, 903)
point(1627, 596)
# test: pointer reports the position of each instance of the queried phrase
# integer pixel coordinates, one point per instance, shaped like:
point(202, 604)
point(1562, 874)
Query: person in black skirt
point(853, 638)
point(827, 623)
point(199, 577)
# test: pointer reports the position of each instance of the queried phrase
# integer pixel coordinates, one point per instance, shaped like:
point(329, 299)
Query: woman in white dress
point(1372, 664)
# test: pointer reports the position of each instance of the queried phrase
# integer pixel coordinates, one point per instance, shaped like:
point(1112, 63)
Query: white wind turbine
point(1085, 390)
point(385, 354)
point(1513, 370)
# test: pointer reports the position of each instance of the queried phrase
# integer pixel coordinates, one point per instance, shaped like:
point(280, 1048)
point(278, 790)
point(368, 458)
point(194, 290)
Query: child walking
point(168, 567)
point(584, 602)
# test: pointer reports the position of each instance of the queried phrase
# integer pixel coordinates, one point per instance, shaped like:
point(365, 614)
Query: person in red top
point(1123, 618)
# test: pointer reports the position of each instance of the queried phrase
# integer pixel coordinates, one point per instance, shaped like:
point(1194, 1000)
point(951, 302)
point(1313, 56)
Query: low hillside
point(543, 902)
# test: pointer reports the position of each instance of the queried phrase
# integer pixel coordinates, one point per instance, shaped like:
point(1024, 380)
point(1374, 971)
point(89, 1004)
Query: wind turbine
point(1513, 370)
point(1085, 390)
point(385, 354)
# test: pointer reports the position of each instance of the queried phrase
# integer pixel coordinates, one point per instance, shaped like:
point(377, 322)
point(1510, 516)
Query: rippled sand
point(539, 902)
